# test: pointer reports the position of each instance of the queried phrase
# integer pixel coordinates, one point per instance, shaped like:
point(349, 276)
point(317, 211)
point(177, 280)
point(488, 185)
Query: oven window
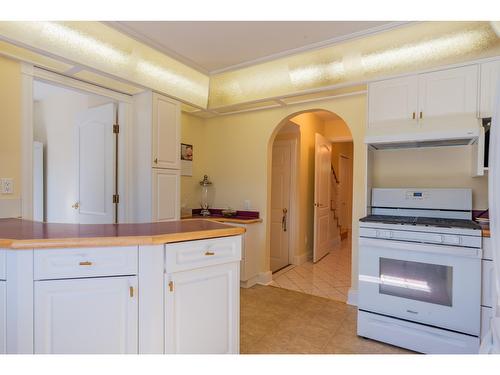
point(418, 281)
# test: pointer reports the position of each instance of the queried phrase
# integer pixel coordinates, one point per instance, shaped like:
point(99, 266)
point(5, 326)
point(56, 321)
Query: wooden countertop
point(221, 219)
point(485, 227)
point(25, 234)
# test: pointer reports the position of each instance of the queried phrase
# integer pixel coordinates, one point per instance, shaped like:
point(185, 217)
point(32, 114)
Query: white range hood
point(432, 132)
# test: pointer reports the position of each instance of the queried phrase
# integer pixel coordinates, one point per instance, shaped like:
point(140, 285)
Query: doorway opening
point(311, 205)
point(75, 156)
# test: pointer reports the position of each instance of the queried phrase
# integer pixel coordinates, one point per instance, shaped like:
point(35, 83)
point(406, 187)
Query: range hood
point(432, 132)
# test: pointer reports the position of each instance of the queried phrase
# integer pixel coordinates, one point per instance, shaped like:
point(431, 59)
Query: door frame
point(31, 73)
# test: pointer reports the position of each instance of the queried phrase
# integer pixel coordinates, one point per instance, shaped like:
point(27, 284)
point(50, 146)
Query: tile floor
point(329, 278)
point(280, 321)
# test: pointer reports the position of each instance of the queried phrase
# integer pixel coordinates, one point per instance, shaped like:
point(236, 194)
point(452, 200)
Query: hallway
point(329, 278)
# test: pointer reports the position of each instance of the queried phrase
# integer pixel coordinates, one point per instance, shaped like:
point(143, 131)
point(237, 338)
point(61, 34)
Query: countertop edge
point(224, 219)
point(12, 244)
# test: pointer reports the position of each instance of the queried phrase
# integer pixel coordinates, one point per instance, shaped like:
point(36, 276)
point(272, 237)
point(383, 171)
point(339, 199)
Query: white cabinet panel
point(392, 100)
point(166, 132)
point(448, 92)
point(490, 74)
point(3, 265)
point(166, 194)
point(487, 248)
point(202, 310)
point(86, 316)
point(486, 315)
point(488, 287)
point(3, 317)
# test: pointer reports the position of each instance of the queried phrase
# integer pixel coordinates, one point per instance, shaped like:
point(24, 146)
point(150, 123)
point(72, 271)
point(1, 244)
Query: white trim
point(301, 259)
point(10, 208)
point(294, 207)
point(87, 88)
point(262, 278)
point(344, 138)
point(26, 141)
point(352, 297)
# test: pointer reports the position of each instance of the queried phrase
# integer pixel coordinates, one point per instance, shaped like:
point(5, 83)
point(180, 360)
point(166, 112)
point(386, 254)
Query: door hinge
point(116, 129)
point(116, 198)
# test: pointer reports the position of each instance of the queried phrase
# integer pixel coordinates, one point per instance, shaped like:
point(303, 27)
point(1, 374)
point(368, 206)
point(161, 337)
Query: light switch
point(6, 185)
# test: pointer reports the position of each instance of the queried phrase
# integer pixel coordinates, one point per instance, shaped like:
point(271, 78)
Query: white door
point(202, 310)
point(448, 92)
point(280, 204)
point(3, 320)
point(166, 133)
point(322, 170)
point(95, 165)
point(166, 194)
point(86, 316)
point(393, 102)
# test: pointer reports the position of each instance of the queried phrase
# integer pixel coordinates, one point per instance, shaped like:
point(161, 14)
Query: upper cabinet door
point(86, 316)
point(392, 102)
point(166, 133)
point(490, 74)
point(166, 194)
point(448, 92)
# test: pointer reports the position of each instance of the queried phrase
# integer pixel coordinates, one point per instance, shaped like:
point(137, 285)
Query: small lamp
point(205, 185)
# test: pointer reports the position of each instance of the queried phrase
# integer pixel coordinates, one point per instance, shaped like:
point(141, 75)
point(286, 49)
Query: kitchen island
point(167, 287)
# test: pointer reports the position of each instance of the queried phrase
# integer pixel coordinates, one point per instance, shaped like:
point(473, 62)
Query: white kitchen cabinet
point(166, 133)
point(249, 269)
point(448, 92)
point(202, 311)
point(490, 74)
point(202, 296)
point(488, 280)
point(393, 101)
point(3, 317)
point(166, 194)
point(86, 316)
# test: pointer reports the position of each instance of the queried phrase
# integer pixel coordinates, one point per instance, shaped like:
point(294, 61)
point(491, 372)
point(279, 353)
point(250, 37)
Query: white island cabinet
point(166, 298)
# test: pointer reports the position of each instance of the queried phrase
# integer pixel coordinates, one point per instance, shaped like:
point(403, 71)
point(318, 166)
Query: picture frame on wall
point(186, 159)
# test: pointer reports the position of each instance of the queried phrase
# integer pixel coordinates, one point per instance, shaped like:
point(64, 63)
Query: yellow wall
point(238, 149)
point(445, 167)
point(193, 133)
point(10, 124)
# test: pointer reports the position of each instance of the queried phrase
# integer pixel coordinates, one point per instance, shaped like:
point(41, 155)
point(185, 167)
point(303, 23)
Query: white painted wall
point(54, 114)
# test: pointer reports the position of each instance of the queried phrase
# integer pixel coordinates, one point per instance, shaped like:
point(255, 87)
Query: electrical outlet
point(6, 186)
point(247, 204)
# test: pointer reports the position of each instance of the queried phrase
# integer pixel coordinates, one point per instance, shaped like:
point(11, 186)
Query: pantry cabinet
point(411, 100)
point(166, 194)
point(166, 133)
point(490, 74)
point(86, 316)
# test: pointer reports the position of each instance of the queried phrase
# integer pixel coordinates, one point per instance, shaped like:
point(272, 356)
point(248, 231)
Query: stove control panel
point(417, 195)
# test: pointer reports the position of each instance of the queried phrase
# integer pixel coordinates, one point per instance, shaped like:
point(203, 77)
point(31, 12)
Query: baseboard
point(352, 297)
point(263, 278)
point(10, 208)
point(300, 259)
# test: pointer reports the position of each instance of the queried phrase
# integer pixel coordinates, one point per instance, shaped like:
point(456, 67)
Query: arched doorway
point(311, 204)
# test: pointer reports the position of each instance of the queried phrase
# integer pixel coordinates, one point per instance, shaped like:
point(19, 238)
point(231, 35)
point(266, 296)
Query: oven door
point(431, 284)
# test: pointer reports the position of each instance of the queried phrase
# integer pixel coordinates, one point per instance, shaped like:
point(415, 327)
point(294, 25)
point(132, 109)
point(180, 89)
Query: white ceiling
point(215, 46)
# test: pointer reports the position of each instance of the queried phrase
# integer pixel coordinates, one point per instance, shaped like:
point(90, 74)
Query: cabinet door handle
point(208, 253)
point(421, 114)
point(131, 291)
point(156, 161)
point(86, 263)
point(414, 116)
point(171, 286)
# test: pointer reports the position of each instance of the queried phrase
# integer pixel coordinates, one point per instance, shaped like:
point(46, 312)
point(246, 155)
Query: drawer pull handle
point(86, 263)
point(131, 291)
point(171, 286)
point(209, 253)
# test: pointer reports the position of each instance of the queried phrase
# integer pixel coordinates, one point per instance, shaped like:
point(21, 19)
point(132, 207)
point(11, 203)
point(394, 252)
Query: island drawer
point(195, 254)
point(3, 273)
point(85, 262)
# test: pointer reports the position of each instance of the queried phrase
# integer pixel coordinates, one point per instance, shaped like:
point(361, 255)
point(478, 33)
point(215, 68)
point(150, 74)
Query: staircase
point(342, 232)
